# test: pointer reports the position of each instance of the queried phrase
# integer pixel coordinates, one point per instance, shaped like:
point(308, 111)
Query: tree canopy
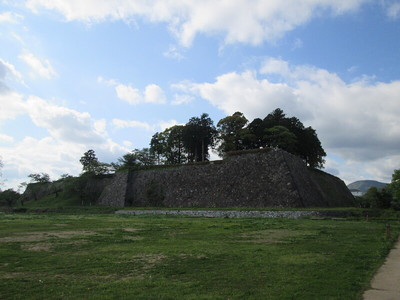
point(185, 143)
point(275, 130)
point(42, 177)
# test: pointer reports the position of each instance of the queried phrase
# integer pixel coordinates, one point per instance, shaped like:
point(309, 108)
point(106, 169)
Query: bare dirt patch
point(37, 247)
point(43, 236)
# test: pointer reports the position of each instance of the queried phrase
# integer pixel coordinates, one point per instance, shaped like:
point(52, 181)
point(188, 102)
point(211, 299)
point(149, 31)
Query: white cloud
point(10, 17)
point(120, 124)
point(237, 21)
point(71, 133)
point(162, 125)
point(173, 53)
point(127, 144)
point(181, 99)
point(63, 123)
point(356, 121)
point(154, 94)
point(151, 94)
point(6, 138)
point(110, 82)
point(11, 104)
point(43, 68)
point(393, 10)
point(7, 70)
point(167, 124)
point(128, 94)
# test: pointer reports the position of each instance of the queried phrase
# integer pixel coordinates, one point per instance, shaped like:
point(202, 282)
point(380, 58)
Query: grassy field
point(105, 256)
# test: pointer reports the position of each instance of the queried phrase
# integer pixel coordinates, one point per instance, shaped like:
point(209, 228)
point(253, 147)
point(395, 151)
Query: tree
point(281, 137)
point(198, 136)
point(394, 186)
point(288, 134)
point(378, 198)
point(89, 161)
point(42, 178)
point(1, 166)
point(168, 145)
point(158, 145)
point(309, 148)
point(9, 197)
point(136, 158)
point(231, 132)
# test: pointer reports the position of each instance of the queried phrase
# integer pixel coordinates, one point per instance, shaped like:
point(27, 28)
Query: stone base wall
point(272, 178)
point(114, 194)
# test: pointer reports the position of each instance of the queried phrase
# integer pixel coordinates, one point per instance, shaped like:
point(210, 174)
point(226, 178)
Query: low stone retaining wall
point(223, 214)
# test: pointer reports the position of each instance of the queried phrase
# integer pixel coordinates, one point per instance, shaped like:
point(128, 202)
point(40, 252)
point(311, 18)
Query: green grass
point(61, 256)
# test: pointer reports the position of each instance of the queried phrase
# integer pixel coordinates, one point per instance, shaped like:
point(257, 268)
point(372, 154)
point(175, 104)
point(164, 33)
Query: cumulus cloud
point(128, 94)
point(4, 138)
point(63, 123)
point(357, 121)
point(154, 94)
point(12, 105)
point(70, 134)
point(238, 21)
point(41, 67)
point(151, 94)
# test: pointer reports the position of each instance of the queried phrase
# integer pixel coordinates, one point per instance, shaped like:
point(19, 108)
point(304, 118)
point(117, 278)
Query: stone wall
point(272, 178)
point(114, 194)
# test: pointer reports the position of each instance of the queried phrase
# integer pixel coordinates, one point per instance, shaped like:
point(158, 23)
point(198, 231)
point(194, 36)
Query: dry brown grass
point(45, 235)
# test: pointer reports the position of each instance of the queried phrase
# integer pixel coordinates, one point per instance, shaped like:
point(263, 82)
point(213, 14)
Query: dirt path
point(386, 283)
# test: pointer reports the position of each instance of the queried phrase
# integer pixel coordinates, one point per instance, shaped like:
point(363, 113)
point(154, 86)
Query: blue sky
point(107, 74)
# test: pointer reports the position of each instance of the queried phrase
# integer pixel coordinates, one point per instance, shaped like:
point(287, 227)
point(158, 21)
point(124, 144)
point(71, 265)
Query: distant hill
point(364, 185)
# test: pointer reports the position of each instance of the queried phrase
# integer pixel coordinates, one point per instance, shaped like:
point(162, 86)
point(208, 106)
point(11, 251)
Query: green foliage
point(41, 178)
point(231, 131)
point(188, 143)
point(82, 188)
point(9, 197)
point(198, 136)
point(394, 186)
point(377, 198)
point(136, 159)
point(90, 164)
point(281, 137)
point(89, 161)
point(59, 256)
point(192, 141)
point(276, 130)
point(1, 166)
point(168, 146)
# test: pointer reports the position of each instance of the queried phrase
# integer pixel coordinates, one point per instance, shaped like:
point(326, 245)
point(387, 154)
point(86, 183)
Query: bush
point(377, 198)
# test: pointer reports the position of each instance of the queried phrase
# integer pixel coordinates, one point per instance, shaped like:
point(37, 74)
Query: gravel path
point(223, 214)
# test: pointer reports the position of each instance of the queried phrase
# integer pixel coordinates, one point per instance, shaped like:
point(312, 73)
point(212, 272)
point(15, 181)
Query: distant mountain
point(364, 185)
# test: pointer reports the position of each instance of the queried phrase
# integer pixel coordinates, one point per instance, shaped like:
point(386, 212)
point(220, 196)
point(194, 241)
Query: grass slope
point(58, 256)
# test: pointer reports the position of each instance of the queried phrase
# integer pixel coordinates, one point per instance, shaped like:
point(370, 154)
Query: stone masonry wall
point(272, 178)
point(114, 194)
